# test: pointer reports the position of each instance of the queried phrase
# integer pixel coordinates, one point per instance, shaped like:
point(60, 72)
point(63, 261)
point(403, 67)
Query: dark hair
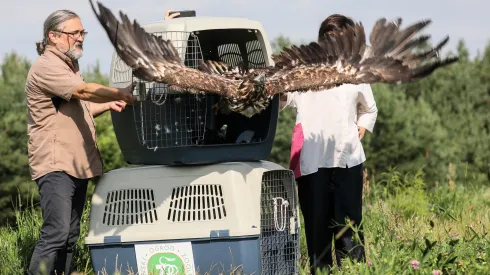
point(334, 22)
point(52, 23)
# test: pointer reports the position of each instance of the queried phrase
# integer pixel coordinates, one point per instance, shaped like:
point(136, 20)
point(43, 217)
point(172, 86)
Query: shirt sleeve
point(290, 102)
point(367, 111)
point(57, 81)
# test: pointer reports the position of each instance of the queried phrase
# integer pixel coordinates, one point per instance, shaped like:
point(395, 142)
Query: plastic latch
point(219, 234)
point(140, 91)
point(112, 239)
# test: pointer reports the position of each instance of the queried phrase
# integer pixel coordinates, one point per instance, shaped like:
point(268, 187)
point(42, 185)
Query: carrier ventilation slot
point(121, 72)
point(279, 234)
point(197, 203)
point(255, 54)
point(130, 206)
point(230, 54)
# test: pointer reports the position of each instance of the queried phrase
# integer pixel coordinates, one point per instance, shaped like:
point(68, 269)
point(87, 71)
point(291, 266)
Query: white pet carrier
point(200, 199)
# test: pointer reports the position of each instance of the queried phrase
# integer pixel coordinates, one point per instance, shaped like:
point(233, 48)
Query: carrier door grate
point(165, 118)
point(130, 206)
point(279, 240)
point(197, 203)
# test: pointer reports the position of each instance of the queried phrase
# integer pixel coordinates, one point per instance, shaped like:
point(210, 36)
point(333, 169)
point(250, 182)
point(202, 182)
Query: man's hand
point(168, 16)
point(117, 106)
point(126, 94)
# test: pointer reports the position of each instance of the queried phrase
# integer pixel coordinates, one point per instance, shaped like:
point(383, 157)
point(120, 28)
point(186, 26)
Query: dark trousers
point(62, 201)
point(327, 198)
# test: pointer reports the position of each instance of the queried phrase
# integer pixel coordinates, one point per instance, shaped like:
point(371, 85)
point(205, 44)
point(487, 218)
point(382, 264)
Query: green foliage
point(440, 231)
point(439, 121)
point(9, 259)
point(282, 141)
point(17, 243)
point(407, 194)
point(81, 253)
point(14, 173)
point(408, 134)
point(428, 239)
point(280, 43)
point(460, 96)
point(286, 120)
point(435, 132)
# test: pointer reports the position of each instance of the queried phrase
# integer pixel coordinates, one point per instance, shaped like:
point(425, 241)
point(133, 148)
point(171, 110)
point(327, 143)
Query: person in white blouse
point(327, 159)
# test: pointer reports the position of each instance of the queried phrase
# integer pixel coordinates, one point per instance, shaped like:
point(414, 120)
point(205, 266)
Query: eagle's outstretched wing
point(156, 60)
point(340, 58)
point(343, 57)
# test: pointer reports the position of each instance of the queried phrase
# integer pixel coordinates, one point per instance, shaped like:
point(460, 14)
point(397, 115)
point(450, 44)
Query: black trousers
point(327, 198)
point(62, 202)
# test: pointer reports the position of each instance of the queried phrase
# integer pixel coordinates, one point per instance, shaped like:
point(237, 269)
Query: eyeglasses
point(75, 34)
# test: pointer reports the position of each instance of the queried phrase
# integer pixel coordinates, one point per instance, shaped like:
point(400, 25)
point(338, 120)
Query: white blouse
point(325, 134)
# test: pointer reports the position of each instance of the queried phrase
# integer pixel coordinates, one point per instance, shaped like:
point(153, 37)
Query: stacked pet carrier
point(198, 197)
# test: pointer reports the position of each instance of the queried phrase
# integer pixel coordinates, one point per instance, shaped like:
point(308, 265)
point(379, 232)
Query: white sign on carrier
point(165, 258)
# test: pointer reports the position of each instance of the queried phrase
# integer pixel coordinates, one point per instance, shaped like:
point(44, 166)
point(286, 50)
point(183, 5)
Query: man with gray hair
point(62, 148)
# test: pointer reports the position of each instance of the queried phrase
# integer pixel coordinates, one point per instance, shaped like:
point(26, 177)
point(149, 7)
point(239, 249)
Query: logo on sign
point(165, 259)
point(166, 264)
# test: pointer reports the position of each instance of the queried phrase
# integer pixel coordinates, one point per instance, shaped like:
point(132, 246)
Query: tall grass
point(410, 228)
point(17, 243)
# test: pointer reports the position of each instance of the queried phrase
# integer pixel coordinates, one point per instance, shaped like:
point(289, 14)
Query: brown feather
point(154, 59)
point(338, 58)
point(384, 61)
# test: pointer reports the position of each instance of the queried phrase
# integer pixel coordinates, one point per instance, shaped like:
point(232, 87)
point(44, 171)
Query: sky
point(21, 21)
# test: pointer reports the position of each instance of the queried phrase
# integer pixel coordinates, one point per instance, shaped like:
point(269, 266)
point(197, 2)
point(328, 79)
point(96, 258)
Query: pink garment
point(296, 145)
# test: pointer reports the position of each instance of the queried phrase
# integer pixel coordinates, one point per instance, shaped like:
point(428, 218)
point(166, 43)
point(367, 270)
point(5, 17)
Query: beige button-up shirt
point(62, 139)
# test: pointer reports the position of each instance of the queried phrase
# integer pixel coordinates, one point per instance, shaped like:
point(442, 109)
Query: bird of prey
point(341, 57)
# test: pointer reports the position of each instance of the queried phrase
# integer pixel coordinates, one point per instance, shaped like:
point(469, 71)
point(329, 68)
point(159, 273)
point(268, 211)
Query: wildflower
point(414, 264)
point(436, 272)
point(369, 263)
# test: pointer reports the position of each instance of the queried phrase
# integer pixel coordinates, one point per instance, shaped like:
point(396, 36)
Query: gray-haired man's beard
point(75, 53)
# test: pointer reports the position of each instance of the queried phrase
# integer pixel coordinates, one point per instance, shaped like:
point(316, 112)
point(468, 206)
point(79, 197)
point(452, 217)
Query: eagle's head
point(259, 83)
point(251, 97)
